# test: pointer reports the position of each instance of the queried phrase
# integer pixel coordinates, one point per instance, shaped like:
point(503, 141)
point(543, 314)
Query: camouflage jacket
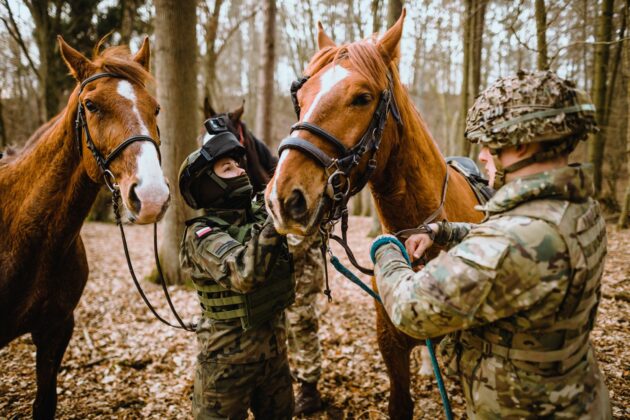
point(210, 254)
point(518, 296)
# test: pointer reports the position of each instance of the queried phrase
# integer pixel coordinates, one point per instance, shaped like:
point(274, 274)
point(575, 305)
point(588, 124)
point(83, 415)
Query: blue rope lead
point(354, 279)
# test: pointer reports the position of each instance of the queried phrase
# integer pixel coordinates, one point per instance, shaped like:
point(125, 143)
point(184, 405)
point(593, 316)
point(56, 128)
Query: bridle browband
point(103, 163)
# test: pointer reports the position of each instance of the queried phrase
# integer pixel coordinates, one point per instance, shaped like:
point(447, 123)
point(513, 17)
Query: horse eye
point(362, 99)
point(90, 106)
point(157, 111)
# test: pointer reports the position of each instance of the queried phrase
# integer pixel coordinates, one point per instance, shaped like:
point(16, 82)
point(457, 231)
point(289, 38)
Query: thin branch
point(235, 28)
point(15, 34)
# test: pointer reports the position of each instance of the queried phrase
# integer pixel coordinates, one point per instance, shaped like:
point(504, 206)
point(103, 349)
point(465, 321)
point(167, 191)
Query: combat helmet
point(531, 107)
point(196, 177)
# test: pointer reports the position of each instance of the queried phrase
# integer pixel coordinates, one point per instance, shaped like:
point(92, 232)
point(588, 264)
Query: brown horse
point(48, 188)
point(260, 161)
point(341, 96)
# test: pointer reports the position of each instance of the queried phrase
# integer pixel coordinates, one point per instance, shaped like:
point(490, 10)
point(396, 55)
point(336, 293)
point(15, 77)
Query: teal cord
point(354, 279)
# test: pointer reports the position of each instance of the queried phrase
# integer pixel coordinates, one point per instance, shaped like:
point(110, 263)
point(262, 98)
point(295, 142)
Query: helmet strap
point(563, 148)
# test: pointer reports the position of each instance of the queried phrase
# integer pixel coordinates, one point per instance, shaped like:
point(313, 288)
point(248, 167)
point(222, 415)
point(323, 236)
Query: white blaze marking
point(206, 137)
point(328, 80)
point(125, 89)
point(274, 189)
point(151, 185)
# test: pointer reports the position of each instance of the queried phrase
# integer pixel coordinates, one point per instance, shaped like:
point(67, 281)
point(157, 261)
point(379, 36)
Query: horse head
point(346, 97)
point(117, 132)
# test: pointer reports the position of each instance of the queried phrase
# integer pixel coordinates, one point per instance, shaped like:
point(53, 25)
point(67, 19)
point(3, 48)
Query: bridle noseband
point(339, 169)
point(80, 126)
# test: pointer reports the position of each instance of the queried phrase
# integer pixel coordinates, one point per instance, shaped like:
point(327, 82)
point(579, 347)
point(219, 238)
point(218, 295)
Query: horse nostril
point(296, 204)
point(134, 201)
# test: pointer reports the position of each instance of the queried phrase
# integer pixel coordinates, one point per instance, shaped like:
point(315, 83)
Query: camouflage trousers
point(227, 391)
point(304, 348)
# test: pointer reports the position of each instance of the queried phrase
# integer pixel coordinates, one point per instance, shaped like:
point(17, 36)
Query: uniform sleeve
point(219, 256)
point(488, 276)
point(452, 233)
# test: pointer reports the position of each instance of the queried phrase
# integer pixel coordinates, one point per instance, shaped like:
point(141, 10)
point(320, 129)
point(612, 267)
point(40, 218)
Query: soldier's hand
point(417, 245)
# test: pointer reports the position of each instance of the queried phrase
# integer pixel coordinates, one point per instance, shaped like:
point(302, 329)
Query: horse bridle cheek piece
point(103, 163)
point(339, 170)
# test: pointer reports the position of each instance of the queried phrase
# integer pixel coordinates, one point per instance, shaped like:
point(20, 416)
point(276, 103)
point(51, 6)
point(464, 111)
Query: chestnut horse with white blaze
point(343, 96)
point(49, 187)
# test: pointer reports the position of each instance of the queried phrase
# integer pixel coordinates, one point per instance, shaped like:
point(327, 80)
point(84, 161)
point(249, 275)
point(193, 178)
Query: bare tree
point(394, 10)
point(602, 56)
point(266, 83)
point(541, 35)
point(176, 46)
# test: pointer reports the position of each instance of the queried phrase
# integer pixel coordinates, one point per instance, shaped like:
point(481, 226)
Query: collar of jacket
point(570, 183)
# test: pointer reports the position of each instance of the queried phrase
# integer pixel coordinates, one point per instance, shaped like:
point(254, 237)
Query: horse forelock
point(118, 60)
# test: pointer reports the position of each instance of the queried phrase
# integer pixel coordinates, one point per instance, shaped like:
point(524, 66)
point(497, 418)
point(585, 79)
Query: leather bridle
point(339, 170)
point(103, 163)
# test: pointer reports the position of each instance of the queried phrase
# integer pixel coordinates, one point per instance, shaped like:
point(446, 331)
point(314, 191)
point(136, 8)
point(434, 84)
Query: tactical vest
point(562, 339)
point(260, 305)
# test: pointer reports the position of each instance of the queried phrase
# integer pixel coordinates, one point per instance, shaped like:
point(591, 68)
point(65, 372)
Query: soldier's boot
point(308, 399)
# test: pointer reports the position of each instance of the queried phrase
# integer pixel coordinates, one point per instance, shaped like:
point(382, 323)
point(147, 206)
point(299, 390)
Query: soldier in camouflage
point(242, 270)
point(518, 293)
point(304, 348)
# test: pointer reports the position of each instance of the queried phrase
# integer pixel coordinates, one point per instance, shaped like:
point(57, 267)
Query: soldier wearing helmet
point(518, 293)
point(242, 270)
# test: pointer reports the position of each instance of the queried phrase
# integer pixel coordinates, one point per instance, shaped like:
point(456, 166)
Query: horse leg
point(396, 349)
point(51, 343)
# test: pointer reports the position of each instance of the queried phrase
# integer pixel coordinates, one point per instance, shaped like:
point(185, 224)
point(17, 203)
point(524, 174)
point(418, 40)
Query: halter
point(103, 163)
point(80, 127)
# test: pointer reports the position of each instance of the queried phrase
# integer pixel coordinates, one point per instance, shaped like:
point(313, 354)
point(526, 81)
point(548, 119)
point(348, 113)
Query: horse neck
point(409, 187)
point(51, 193)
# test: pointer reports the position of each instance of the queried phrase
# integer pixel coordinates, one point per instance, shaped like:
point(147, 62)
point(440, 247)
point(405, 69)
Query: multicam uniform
point(305, 351)
point(518, 294)
point(240, 269)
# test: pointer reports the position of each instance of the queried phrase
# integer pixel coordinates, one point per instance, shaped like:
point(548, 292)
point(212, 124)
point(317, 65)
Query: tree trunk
point(541, 35)
point(376, 16)
point(3, 133)
point(129, 13)
point(624, 217)
point(464, 148)
point(394, 10)
point(176, 76)
point(602, 55)
point(266, 80)
point(211, 55)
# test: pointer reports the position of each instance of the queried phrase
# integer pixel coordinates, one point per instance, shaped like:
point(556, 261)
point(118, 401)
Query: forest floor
point(122, 363)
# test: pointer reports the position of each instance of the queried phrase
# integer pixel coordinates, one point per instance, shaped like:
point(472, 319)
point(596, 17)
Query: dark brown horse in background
point(344, 89)
point(47, 190)
point(259, 159)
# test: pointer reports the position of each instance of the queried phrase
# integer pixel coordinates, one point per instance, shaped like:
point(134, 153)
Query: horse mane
point(366, 58)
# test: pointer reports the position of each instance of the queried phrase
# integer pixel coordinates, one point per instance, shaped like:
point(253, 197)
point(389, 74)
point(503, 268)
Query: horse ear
point(143, 56)
point(323, 40)
point(208, 111)
point(236, 115)
point(79, 65)
point(389, 44)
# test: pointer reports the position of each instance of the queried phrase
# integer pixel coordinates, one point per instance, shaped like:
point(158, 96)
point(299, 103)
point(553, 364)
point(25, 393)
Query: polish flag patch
point(203, 232)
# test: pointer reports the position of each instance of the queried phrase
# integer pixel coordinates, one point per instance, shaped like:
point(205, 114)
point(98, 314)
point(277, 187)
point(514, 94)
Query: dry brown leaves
point(122, 363)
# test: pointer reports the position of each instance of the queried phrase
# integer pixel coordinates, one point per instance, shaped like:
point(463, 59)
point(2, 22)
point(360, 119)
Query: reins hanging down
point(103, 163)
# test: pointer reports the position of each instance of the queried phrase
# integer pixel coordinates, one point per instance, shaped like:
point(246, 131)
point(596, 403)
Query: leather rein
point(103, 163)
point(339, 170)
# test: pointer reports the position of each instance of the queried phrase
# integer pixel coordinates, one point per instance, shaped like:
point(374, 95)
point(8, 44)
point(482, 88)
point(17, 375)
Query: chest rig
point(261, 305)
point(555, 344)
